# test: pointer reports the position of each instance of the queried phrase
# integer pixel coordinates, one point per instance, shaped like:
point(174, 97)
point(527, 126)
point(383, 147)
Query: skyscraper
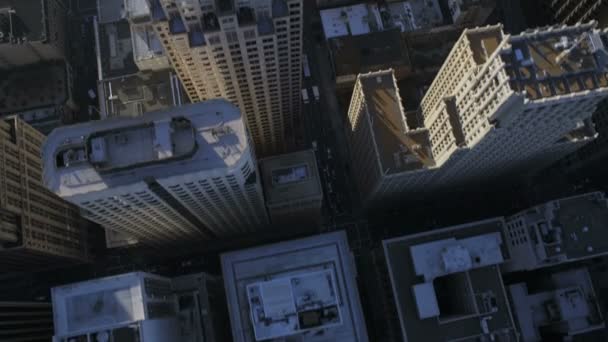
point(500, 104)
point(247, 51)
point(183, 174)
point(37, 228)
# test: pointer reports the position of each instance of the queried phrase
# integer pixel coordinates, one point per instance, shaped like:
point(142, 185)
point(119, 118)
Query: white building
point(139, 306)
point(564, 230)
point(129, 307)
point(302, 289)
point(560, 311)
point(499, 105)
point(247, 51)
point(362, 19)
point(169, 176)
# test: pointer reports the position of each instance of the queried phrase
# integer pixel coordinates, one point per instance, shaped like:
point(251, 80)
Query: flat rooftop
point(306, 259)
point(557, 62)
point(291, 176)
point(24, 21)
point(398, 148)
point(348, 20)
point(370, 52)
point(31, 87)
point(583, 221)
point(362, 19)
point(98, 155)
point(483, 311)
point(116, 49)
point(139, 93)
point(570, 293)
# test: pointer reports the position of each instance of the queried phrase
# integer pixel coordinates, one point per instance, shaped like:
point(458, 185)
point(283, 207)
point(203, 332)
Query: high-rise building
point(37, 227)
point(183, 174)
point(564, 308)
point(292, 188)
point(447, 283)
point(500, 105)
point(137, 306)
point(31, 31)
point(247, 51)
point(304, 290)
point(26, 321)
point(560, 231)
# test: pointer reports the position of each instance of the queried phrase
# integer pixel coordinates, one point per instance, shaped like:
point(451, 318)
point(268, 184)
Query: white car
point(305, 96)
point(315, 92)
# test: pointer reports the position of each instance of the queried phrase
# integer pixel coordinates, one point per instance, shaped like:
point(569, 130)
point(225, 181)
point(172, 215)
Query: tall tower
point(37, 228)
point(183, 174)
point(499, 105)
point(247, 51)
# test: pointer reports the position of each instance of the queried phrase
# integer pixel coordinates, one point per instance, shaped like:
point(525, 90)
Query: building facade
point(292, 188)
point(32, 31)
point(247, 51)
point(36, 227)
point(26, 321)
point(500, 104)
point(181, 175)
point(308, 283)
point(571, 12)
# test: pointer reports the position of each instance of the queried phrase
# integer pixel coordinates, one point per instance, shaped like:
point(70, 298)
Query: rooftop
point(101, 303)
point(570, 228)
point(290, 176)
point(399, 148)
point(97, 155)
point(110, 11)
point(293, 305)
point(428, 269)
point(146, 44)
point(567, 304)
point(21, 20)
point(142, 92)
point(557, 62)
point(41, 85)
point(116, 49)
point(370, 52)
point(362, 19)
point(260, 281)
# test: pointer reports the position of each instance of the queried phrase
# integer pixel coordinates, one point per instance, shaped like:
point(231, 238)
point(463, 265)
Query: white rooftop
point(292, 305)
point(441, 257)
point(98, 155)
point(304, 287)
point(349, 20)
point(100, 304)
point(365, 18)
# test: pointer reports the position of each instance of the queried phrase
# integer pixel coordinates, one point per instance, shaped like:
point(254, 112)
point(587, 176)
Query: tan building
point(36, 226)
point(246, 51)
point(292, 188)
point(500, 105)
point(31, 31)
